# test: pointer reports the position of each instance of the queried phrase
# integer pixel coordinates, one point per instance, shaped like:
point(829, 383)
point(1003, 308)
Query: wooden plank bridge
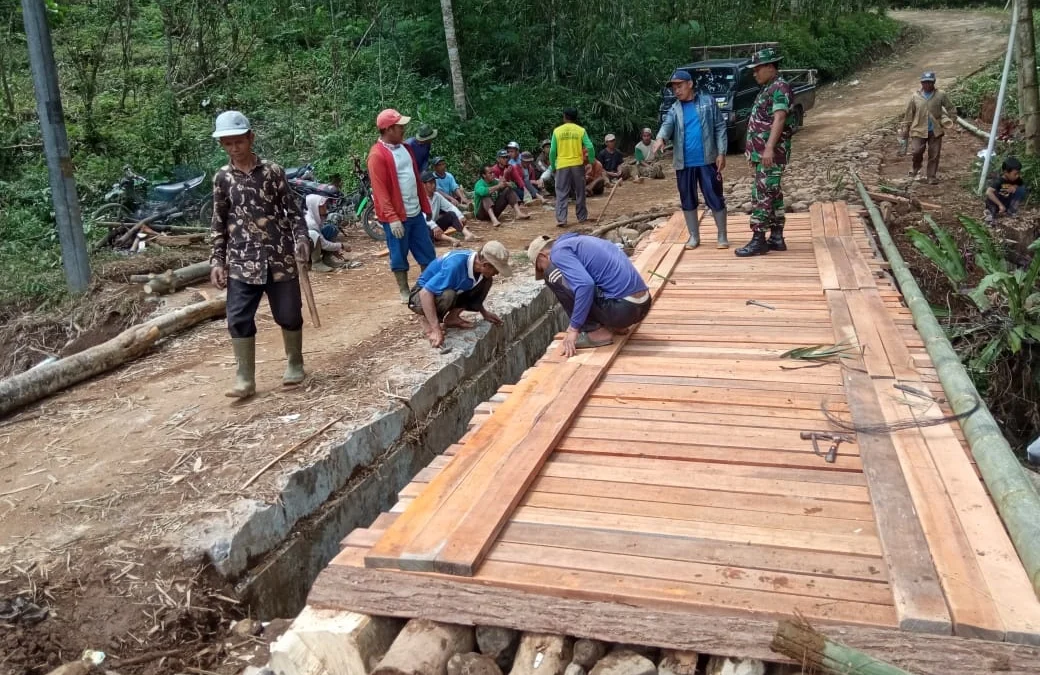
point(663, 485)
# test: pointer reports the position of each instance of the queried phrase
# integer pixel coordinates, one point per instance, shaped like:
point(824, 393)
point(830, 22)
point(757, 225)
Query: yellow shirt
point(568, 139)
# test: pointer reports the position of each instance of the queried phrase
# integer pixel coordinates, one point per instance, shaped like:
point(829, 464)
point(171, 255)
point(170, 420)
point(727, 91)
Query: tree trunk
point(32, 385)
point(458, 86)
point(174, 280)
point(1029, 103)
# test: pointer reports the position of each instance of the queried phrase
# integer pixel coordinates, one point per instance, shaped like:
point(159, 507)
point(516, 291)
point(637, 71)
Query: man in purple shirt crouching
point(595, 282)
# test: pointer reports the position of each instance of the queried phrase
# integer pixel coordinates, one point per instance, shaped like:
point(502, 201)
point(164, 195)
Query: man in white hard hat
point(456, 282)
point(259, 235)
point(928, 111)
point(401, 205)
point(595, 282)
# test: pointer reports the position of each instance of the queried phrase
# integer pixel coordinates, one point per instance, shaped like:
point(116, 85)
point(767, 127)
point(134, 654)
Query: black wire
point(896, 426)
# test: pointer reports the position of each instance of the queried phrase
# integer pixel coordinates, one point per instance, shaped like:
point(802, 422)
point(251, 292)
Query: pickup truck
point(735, 89)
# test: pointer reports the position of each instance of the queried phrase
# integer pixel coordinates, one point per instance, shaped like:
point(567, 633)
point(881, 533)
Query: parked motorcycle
point(135, 198)
point(354, 208)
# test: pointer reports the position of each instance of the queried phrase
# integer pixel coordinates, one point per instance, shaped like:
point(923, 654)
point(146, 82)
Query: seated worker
point(644, 151)
point(444, 215)
point(597, 285)
point(532, 177)
point(511, 172)
point(612, 160)
point(595, 177)
point(492, 196)
point(326, 252)
point(1006, 192)
point(542, 163)
point(447, 185)
point(456, 282)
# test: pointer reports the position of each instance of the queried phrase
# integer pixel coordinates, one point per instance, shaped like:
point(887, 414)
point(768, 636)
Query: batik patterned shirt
point(256, 223)
point(772, 98)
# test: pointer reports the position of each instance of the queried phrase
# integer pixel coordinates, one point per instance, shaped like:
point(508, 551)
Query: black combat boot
point(757, 246)
point(776, 239)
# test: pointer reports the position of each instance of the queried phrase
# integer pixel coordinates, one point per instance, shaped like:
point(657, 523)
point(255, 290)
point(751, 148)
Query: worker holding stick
point(259, 236)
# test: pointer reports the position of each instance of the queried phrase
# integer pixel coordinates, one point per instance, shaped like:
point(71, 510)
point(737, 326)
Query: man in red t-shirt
point(401, 204)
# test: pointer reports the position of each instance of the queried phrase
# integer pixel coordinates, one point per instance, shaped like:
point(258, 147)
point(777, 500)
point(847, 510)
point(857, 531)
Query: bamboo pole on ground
point(816, 653)
point(32, 385)
point(973, 129)
point(1013, 493)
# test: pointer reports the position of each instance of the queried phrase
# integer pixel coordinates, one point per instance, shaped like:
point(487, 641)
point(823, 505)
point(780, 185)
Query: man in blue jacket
point(698, 134)
point(597, 285)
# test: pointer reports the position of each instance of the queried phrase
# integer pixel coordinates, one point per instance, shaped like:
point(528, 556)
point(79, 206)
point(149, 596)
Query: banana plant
point(942, 251)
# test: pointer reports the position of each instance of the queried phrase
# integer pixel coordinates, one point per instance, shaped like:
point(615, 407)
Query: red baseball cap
point(389, 118)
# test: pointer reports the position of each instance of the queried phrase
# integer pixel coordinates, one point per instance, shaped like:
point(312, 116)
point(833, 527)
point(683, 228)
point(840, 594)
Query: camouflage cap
point(764, 56)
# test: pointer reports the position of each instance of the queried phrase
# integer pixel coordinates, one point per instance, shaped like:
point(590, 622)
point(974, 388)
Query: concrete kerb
point(359, 474)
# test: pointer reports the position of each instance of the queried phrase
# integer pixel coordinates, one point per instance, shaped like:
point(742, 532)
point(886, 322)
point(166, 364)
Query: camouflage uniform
point(767, 197)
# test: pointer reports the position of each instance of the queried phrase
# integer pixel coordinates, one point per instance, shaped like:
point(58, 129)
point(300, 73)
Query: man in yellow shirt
point(569, 149)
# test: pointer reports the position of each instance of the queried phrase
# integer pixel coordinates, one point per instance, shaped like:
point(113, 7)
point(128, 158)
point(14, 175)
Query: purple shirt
point(590, 263)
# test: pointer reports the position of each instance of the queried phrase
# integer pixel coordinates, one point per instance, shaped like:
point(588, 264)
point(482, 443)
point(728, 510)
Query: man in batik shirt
point(259, 234)
point(768, 149)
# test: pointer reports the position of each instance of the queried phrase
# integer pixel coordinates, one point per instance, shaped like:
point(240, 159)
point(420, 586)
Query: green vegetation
point(143, 79)
point(997, 326)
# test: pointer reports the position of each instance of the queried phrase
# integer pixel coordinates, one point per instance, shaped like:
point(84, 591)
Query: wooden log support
point(424, 648)
point(174, 280)
point(819, 654)
point(542, 654)
point(322, 642)
point(32, 385)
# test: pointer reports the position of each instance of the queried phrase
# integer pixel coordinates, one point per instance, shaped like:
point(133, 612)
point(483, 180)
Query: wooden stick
point(289, 452)
point(600, 231)
point(815, 652)
point(305, 284)
point(173, 280)
point(609, 197)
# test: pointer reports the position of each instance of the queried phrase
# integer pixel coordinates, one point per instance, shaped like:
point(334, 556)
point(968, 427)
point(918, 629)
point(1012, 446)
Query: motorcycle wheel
point(371, 225)
point(206, 212)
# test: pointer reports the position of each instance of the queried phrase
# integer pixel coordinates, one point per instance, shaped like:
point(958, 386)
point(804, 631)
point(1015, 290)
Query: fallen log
point(895, 199)
point(33, 385)
point(178, 240)
point(174, 280)
point(600, 231)
point(817, 653)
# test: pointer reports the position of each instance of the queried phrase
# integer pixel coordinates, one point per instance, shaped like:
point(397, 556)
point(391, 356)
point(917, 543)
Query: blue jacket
point(713, 129)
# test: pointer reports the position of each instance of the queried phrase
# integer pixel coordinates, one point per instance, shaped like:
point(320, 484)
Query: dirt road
point(111, 468)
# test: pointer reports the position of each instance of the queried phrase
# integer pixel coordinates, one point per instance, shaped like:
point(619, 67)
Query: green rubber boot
point(402, 284)
point(245, 376)
point(293, 340)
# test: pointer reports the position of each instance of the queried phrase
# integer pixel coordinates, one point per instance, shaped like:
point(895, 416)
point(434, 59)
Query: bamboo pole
point(816, 653)
point(991, 144)
point(1013, 493)
point(973, 129)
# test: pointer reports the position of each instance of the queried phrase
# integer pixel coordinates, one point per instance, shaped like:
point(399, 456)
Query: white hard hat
point(230, 123)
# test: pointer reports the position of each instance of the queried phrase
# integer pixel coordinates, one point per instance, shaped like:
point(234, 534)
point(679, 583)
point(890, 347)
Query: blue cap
point(680, 76)
point(502, 153)
point(928, 76)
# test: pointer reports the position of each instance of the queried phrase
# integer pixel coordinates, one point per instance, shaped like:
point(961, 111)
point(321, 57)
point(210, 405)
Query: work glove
point(397, 229)
point(902, 146)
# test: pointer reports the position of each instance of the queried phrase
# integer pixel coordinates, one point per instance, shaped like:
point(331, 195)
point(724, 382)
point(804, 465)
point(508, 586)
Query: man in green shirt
point(492, 196)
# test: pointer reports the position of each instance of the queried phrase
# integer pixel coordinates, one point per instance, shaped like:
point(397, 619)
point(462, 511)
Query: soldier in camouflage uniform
point(259, 234)
point(768, 149)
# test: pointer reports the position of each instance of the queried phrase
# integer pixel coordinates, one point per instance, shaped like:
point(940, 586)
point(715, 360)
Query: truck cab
point(734, 89)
